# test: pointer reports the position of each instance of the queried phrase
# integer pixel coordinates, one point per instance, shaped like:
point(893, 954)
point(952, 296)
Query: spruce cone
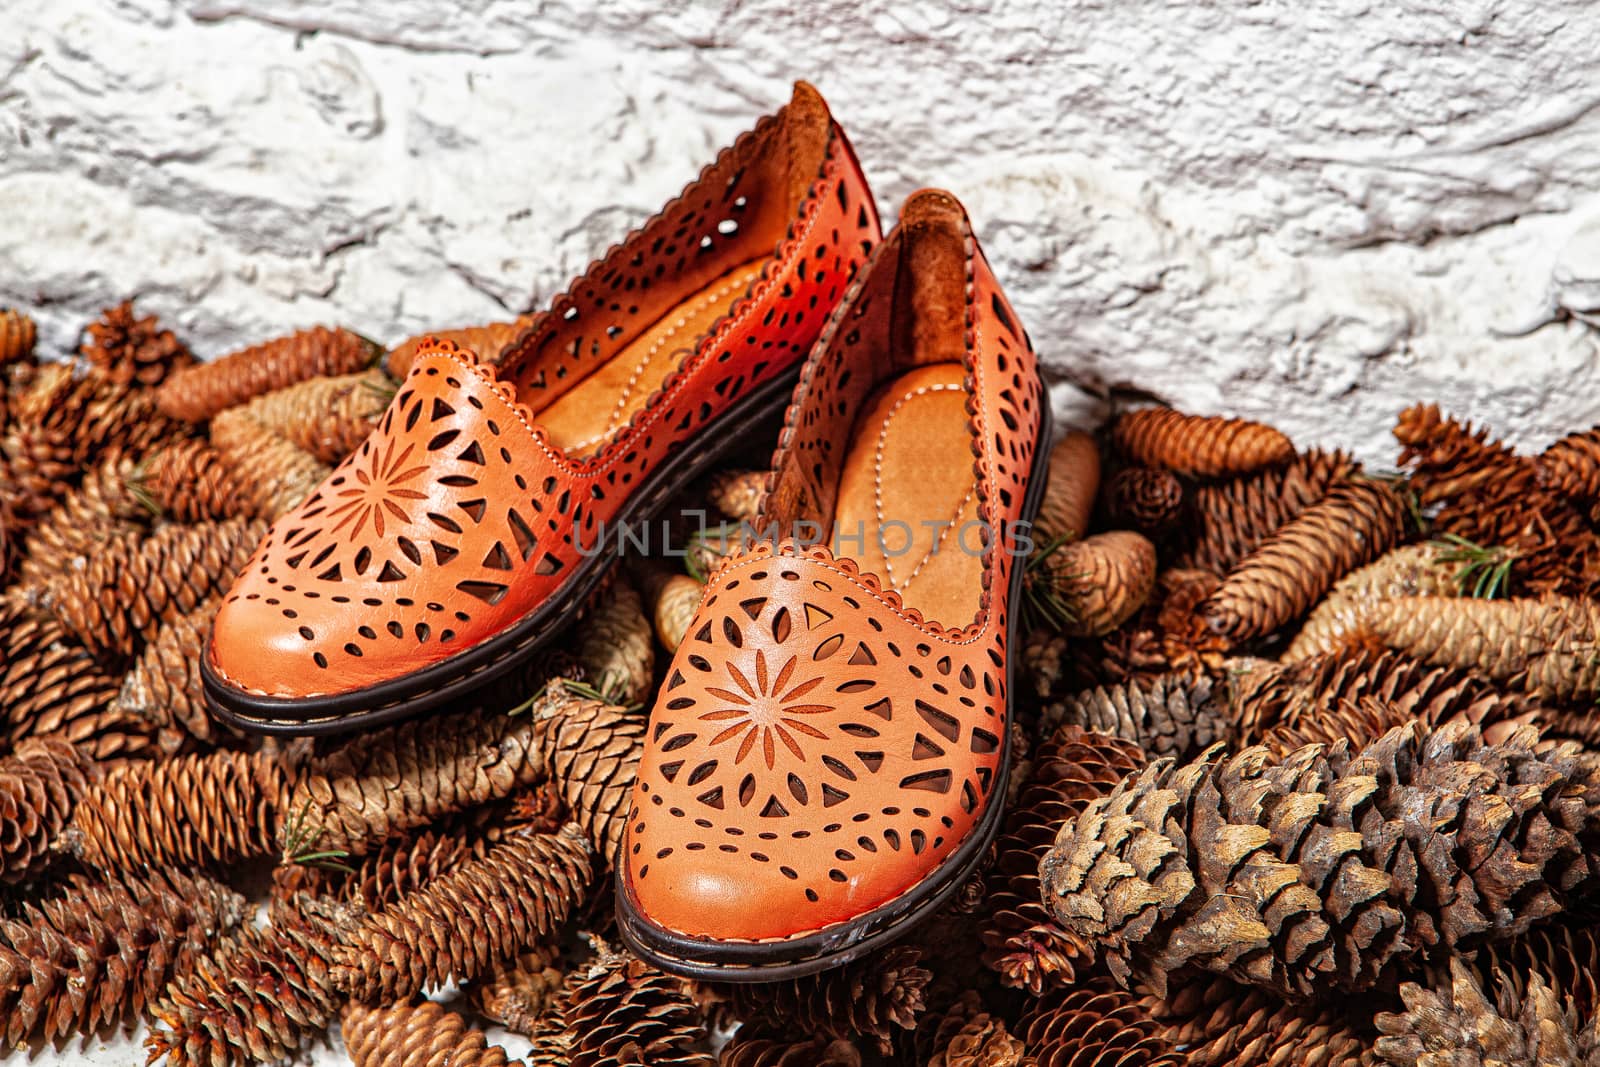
point(325, 417)
point(258, 996)
point(191, 811)
point(676, 600)
point(738, 493)
point(1457, 1025)
point(1145, 499)
point(1186, 640)
point(1571, 466)
point(273, 474)
point(1170, 715)
point(164, 685)
point(1093, 1026)
point(17, 337)
point(487, 341)
point(37, 466)
point(1022, 942)
point(1329, 868)
point(1102, 580)
point(98, 414)
point(189, 481)
point(622, 1010)
point(616, 647)
point(1546, 647)
point(1341, 618)
point(1198, 445)
point(871, 997)
point(378, 785)
point(129, 350)
point(404, 865)
point(1069, 495)
point(51, 687)
point(39, 784)
point(97, 511)
point(197, 393)
point(96, 952)
point(1234, 517)
point(592, 751)
point(1281, 580)
point(1220, 1024)
point(123, 595)
point(1567, 957)
point(760, 1050)
point(420, 1034)
point(969, 1036)
point(516, 993)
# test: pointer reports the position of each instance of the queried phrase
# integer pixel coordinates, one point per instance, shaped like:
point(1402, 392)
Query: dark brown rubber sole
point(773, 961)
point(469, 670)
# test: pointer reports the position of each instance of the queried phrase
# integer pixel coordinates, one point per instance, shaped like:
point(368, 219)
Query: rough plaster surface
point(1313, 211)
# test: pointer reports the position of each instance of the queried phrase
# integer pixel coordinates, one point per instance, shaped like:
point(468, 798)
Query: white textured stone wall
point(1308, 210)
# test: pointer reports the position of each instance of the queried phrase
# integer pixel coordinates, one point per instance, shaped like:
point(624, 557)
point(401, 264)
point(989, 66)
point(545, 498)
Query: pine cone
point(164, 687)
point(1022, 942)
point(402, 866)
point(1292, 570)
point(326, 417)
point(616, 647)
point(969, 1036)
point(51, 687)
point(1198, 445)
point(17, 337)
point(1570, 466)
point(674, 604)
point(201, 810)
point(260, 995)
point(1327, 869)
point(1188, 643)
point(39, 784)
point(97, 511)
point(421, 1033)
point(36, 470)
point(1457, 1025)
point(487, 341)
point(592, 751)
point(738, 493)
point(516, 993)
point(1567, 957)
point(1220, 1024)
point(274, 475)
point(380, 784)
point(128, 350)
point(1145, 499)
point(622, 1010)
point(1234, 517)
point(95, 952)
point(762, 1050)
point(455, 929)
point(197, 393)
point(191, 482)
point(1341, 618)
point(1170, 715)
point(123, 595)
point(101, 414)
point(1069, 494)
point(1093, 1026)
point(1102, 580)
point(1546, 647)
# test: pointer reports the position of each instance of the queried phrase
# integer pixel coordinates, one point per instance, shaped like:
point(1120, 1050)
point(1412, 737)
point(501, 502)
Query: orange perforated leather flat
point(827, 758)
point(466, 531)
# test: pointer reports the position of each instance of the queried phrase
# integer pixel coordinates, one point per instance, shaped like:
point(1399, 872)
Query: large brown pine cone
point(1095, 1025)
point(273, 474)
point(196, 393)
point(1170, 715)
point(51, 687)
point(422, 1033)
point(1101, 581)
point(131, 350)
point(37, 469)
point(1205, 446)
point(1235, 516)
point(592, 750)
point(620, 1009)
point(190, 481)
point(164, 685)
point(99, 509)
point(326, 417)
point(1069, 494)
point(1320, 871)
point(1222, 1024)
point(40, 781)
point(1341, 619)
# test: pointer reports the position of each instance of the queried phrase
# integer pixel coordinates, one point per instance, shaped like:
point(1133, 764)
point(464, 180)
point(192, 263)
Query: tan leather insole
point(909, 469)
point(585, 416)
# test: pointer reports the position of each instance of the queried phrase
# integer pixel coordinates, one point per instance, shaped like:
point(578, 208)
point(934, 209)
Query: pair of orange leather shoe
point(828, 755)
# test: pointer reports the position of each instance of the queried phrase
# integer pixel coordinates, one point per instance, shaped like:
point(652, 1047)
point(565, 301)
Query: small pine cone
point(762, 1050)
point(616, 646)
point(123, 595)
point(675, 603)
point(1145, 499)
point(259, 995)
point(130, 350)
point(516, 993)
point(1021, 941)
point(1315, 872)
point(1202, 446)
point(104, 415)
point(738, 493)
point(197, 393)
point(1069, 495)
point(201, 810)
point(36, 470)
point(1221, 1024)
point(1234, 517)
point(164, 687)
point(592, 750)
point(871, 997)
point(487, 341)
point(17, 337)
point(1546, 647)
point(1457, 1025)
point(969, 1036)
point(326, 417)
point(622, 1010)
point(1186, 640)
point(1102, 580)
point(39, 784)
point(455, 929)
point(1571, 466)
point(102, 507)
point(1096, 1025)
point(1341, 618)
point(49, 685)
point(189, 481)
point(381, 784)
point(1281, 580)
point(274, 475)
point(1169, 715)
point(421, 1034)
point(94, 953)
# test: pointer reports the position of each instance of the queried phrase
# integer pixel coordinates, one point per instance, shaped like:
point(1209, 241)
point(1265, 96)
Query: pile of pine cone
point(1306, 758)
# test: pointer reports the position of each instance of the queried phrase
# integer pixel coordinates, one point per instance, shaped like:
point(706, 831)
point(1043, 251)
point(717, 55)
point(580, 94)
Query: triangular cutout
point(440, 410)
point(816, 617)
point(924, 748)
point(473, 453)
point(773, 808)
point(475, 508)
point(498, 559)
point(444, 553)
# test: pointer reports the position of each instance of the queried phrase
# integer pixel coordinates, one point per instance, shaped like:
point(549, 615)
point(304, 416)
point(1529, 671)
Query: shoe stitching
point(877, 488)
